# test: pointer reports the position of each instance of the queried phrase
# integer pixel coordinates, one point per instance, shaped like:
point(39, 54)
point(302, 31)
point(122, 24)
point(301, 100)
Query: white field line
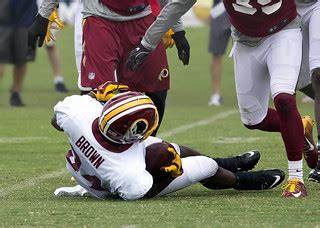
point(36, 180)
point(21, 139)
point(31, 182)
point(186, 127)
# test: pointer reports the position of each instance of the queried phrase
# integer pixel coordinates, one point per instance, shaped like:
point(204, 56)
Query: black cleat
point(15, 100)
point(243, 162)
point(259, 180)
point(247, 160)
point(61, 87)
point(314, 175)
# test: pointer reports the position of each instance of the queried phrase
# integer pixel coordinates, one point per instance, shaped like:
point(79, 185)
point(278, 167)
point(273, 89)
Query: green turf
point(31, 151)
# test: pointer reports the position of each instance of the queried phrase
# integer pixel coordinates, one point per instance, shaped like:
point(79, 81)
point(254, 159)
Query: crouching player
point(113, 155)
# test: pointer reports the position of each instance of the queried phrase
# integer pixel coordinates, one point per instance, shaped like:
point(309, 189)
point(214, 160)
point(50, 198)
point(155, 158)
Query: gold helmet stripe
point(123, 108)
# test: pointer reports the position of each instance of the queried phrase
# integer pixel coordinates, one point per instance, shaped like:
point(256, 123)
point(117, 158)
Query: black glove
point(37, 31)
point(136, 57)
point(182, 46)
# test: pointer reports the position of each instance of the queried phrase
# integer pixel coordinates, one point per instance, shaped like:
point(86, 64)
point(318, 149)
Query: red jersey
point(260, 18)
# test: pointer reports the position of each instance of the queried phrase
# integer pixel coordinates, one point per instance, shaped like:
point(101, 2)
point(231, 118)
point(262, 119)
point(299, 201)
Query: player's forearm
point(47, 7)
point(169, 15)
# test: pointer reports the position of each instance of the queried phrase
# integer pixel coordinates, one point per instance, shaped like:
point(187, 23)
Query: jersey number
point(243, 6)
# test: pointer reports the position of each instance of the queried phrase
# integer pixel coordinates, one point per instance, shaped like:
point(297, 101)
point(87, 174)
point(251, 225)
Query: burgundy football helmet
point(128, 117)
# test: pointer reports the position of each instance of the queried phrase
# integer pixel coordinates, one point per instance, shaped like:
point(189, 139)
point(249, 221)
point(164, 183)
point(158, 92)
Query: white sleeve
point(168, 16)
point(47, 7)
point(136, 186)
point(178, 26)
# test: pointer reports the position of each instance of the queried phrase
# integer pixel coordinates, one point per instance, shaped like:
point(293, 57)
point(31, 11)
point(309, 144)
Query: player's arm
point(55, 124)
point(168, 16)
point(39, 28)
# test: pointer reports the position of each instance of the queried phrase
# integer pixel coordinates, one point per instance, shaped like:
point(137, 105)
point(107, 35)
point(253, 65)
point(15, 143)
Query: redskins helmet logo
point(138, 129)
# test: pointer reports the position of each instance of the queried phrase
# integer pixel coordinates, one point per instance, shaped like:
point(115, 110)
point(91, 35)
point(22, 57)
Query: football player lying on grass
point(113, 155)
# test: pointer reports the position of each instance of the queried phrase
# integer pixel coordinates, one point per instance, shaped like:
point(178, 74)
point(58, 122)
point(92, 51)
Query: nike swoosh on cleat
point(251, 153)
point(311, 147)
point(276, 181)
point(297, 194)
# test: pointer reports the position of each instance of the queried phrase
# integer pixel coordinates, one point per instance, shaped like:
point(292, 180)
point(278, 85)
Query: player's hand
point(107, 90)
point(167, 39)
point(175, 169)
point(183, 46)
point(37, 32)
point(54, 23)
point(137, 57)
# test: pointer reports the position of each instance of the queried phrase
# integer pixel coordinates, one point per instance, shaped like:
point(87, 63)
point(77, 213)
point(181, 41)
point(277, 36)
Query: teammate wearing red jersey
point(267, 57)
point(111, 28)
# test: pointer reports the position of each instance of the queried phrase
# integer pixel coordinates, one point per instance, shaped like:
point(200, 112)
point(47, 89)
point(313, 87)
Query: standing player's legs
point(159, 100)
point(101, 52)
point(279, 56)
point(314, 62)
point(153, 76)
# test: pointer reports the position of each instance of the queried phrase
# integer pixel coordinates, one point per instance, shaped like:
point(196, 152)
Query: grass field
point(32, 156)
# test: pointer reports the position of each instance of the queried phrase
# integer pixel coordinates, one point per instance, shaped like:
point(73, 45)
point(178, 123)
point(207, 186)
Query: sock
point(58, 79)
point(290, 125)
point(295, 170)
point(227, 163)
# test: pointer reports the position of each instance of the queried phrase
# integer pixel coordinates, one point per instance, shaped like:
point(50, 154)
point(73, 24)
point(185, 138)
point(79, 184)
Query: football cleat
point(61, 87)
point(247, 160)
point(314, 175)
point(259, 180)
point(294, 188)
point(15, 100)
point(71, 191)
point(310, 152)
point(215, 100)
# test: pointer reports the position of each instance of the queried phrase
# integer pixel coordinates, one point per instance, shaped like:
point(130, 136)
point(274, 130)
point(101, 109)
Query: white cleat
point(215, 100)
point(70, 191)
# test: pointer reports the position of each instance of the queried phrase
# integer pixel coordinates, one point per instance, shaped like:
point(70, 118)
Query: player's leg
point(78, 40)
point(205, 170)
point(1, 72)
point(284, 65)
point(159, 100)
point(54, 59)
point(101, 52)
point(242, 162)
point(218, 41)
point(314, 58)
point(153, 76)
point(20, 54)
point(304, 81)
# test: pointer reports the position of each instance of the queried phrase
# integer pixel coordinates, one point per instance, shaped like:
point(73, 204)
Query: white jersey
point(94, 165)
